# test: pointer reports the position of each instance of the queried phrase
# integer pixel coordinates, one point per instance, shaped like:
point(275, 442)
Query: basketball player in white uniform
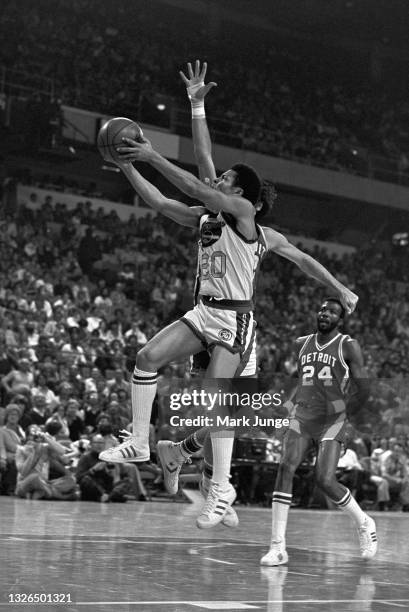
point(230, 251)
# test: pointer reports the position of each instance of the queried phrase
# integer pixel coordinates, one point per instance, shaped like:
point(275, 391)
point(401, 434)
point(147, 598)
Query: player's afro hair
point(337, 301)
point(249, 181)
point(268, 196)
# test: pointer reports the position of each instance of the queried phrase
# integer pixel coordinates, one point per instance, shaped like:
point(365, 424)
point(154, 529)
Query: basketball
point(111, 134)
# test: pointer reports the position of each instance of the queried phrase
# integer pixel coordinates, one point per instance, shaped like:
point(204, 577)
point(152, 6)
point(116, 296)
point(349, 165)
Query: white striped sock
point(349, 505)
point(280, 508)
point(144, 385)
point(222, 446)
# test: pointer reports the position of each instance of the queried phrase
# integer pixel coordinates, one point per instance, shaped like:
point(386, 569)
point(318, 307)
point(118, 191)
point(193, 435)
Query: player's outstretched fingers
point(203, 72)
point(184, 78)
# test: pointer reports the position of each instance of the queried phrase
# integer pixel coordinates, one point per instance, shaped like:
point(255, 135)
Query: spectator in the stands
point(97, 479)
point(41, 388)
point(38, 414)
point(33, 468)
point(11, 436)
point(72, 350)
point(395, 471)
point(382, 484)
point(118, 421)
point(58, 415)
point(74, 421)
point(92, 409)
point(21, 375)
point(88, 251)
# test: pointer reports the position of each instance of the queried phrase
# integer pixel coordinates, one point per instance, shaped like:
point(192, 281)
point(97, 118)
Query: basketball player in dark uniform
point(329, 364)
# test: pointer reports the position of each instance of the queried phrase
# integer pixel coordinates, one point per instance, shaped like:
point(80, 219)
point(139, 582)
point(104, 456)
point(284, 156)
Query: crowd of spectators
point(115, 58)
point(81, 291)
point(61, 184)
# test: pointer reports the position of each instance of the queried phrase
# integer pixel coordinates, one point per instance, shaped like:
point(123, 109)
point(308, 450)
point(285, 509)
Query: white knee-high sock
point(144, 385)
point(280, 507)
point(222, 446)
point(349, 505)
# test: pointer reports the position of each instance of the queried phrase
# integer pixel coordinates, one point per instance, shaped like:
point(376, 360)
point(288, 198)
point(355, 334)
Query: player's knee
point(148, 359)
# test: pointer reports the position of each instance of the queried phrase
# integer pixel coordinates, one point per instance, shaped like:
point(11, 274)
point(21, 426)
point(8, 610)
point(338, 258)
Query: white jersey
point(228, 262)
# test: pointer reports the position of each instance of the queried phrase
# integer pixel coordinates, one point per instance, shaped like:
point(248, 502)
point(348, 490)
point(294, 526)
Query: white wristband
point(198, 108)
point(198, 111)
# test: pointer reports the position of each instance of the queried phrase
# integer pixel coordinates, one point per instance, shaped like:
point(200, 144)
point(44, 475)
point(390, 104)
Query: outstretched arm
point(291, 400)
point(196, 91)
point(177, 211)
point(279, 244)
point(214, 200)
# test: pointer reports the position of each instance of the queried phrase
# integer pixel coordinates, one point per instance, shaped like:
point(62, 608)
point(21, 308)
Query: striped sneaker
point(277, 555)
point(129, 451)
point(230, 519)
point(368, 542)
point(215, 508)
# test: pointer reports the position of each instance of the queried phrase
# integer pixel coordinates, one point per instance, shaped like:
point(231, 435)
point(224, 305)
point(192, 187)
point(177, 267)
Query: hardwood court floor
point(150, 557)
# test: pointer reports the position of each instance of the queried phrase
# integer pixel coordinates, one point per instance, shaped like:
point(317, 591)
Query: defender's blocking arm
point(202, 145)
point(279, 244)
point(175, 210)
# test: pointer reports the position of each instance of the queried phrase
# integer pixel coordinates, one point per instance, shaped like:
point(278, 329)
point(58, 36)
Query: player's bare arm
point(291, 392)
point(311, 267)
point(177, 211)
point(215, 200)
point(197, 91)
point(355, 361)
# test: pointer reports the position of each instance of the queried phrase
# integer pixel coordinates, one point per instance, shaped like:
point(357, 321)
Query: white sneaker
point(277, 555)
point(230, 519)
point(368, 542)
point(217, 501)
point(171, 460)
point(128, 451)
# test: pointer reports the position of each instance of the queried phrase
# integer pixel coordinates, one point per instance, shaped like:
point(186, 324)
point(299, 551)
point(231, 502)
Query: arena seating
point(119, 58)
point(52, 297)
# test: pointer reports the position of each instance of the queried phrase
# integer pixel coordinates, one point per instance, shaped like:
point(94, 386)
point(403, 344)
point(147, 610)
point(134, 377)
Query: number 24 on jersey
point(309, 372)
